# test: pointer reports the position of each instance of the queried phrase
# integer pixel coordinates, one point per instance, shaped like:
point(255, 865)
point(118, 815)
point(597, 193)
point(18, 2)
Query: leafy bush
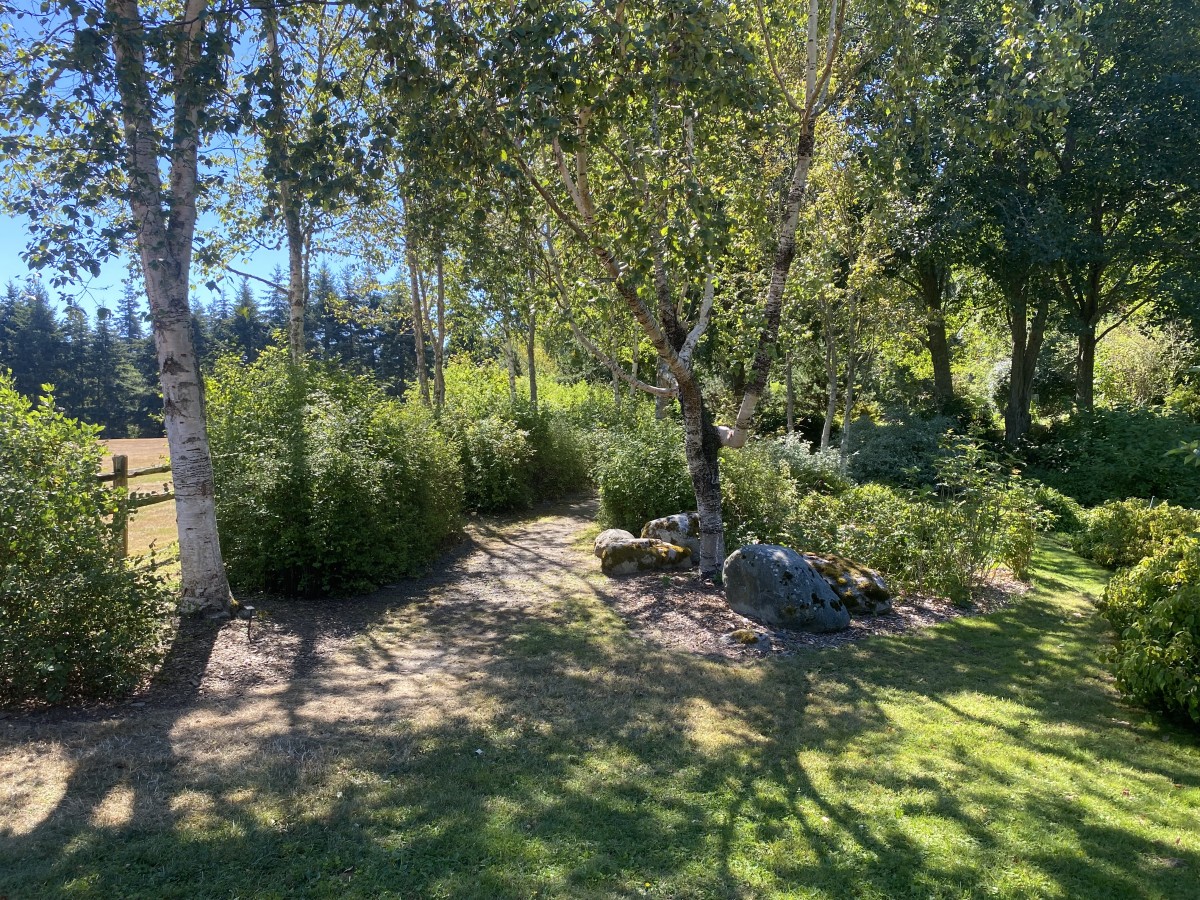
point(1114, 454)
point(495, 458)
point(1155, 609)
point(1063, 514)
point(324, 484)
point(902, 453)
point(75, 620)
point(757, 497)
point(942, 542)
point(643, 475)
point(811, 470)
point(1124, 532)
point(513, 456)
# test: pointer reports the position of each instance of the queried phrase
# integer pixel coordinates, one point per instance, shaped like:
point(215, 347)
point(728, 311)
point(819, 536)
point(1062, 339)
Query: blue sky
point(104, 290)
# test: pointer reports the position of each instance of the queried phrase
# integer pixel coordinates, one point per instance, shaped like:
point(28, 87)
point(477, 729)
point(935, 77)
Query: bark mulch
point(681, 612)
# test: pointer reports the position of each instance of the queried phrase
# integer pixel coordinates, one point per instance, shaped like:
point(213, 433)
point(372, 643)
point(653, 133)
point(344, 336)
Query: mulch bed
point(681, 612)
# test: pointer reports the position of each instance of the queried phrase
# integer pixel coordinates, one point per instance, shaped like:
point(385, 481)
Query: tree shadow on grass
point(496, 731)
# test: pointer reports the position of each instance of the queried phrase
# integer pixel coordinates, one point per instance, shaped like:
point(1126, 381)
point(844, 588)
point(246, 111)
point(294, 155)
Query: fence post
point(121, 482)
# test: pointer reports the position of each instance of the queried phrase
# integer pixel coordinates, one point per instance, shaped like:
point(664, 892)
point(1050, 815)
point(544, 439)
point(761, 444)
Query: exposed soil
point(502, 570)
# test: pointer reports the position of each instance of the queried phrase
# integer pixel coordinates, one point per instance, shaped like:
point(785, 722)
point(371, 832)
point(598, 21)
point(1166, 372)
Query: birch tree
point(635, 127)
point(108, 105)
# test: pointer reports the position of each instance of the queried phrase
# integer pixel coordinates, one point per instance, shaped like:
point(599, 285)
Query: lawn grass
point(986, 756)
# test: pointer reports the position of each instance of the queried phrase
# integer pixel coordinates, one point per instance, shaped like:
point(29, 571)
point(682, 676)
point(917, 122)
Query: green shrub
point(511, 455)
point(75, 620)
point(1124, 532)
point(1114, 454)
point(941, 543)
point(1155, 609)
point(496, 457)
point(902, 453)
point(643, 474)
point(757, 496)
point(1063, 514)
point(324, 484)
point(560, 454)
point(811, 470)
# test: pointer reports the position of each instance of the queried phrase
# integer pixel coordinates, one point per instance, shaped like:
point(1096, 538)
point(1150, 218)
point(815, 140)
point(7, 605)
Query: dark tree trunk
point(1085, 367)
point(791, 396)
point(1027, 337)
point(702, 448)
point(530, 357)
point(934, 280)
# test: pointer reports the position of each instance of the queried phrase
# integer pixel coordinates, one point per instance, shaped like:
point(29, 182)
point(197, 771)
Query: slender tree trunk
point(276, 141)
point(164, 240)
point(1085, 367)
point(418, 324)
point(702, 449)
point(790, 404)
point(831, 385)
point(1027, 337)
point(847, 408)
point(510, 363)
point(781, 264)
point(296, 285)
point(439, 345)
point(662, 379)
point(531, 357)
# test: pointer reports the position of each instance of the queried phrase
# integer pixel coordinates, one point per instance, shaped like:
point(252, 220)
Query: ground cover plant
point(1155, 609)
point(463, 741)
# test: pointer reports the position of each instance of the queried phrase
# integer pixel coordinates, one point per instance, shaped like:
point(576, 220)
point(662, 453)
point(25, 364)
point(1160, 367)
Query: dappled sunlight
point(461, 744)
point(35, 782)
point(116, 809)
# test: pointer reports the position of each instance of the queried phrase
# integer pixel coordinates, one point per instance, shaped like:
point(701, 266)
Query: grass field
point(986, 756)
point(152, 527)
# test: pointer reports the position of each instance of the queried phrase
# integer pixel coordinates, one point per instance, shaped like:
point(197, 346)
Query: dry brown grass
point(151, 527)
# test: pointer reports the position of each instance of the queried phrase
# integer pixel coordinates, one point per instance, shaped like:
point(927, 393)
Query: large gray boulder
point(775, 586)
point(681, 529)
point(863, 590)
point(622, 554)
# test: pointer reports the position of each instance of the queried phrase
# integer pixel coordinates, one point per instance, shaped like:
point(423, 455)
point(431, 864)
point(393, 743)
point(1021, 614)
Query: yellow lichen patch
point(745, 636)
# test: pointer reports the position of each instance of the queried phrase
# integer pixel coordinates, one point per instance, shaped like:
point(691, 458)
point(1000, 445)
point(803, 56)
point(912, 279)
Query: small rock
point(641, 555)
point(610, 538)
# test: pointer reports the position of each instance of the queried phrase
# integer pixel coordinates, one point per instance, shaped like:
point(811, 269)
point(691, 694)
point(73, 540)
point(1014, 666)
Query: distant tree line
point(103, 366)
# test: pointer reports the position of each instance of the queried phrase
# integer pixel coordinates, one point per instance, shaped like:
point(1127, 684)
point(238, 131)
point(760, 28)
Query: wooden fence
point(119, 477)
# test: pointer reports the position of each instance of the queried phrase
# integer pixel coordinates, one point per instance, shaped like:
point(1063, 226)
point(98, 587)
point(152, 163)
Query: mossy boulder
point(862, 589)
point(611, 538)
point(622, 554)
point(776, 586)
point(681, 529)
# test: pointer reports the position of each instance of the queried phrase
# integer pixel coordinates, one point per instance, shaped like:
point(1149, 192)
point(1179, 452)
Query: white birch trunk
point(165, 221)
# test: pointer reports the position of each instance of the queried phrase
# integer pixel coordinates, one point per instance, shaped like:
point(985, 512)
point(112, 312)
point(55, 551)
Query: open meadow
point(152, 527)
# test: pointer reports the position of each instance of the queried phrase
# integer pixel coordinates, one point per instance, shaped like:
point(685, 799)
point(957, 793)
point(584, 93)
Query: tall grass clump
point(76, 620)
point(325, 484)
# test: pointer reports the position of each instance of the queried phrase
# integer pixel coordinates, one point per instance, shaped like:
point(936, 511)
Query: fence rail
point(119, 477)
